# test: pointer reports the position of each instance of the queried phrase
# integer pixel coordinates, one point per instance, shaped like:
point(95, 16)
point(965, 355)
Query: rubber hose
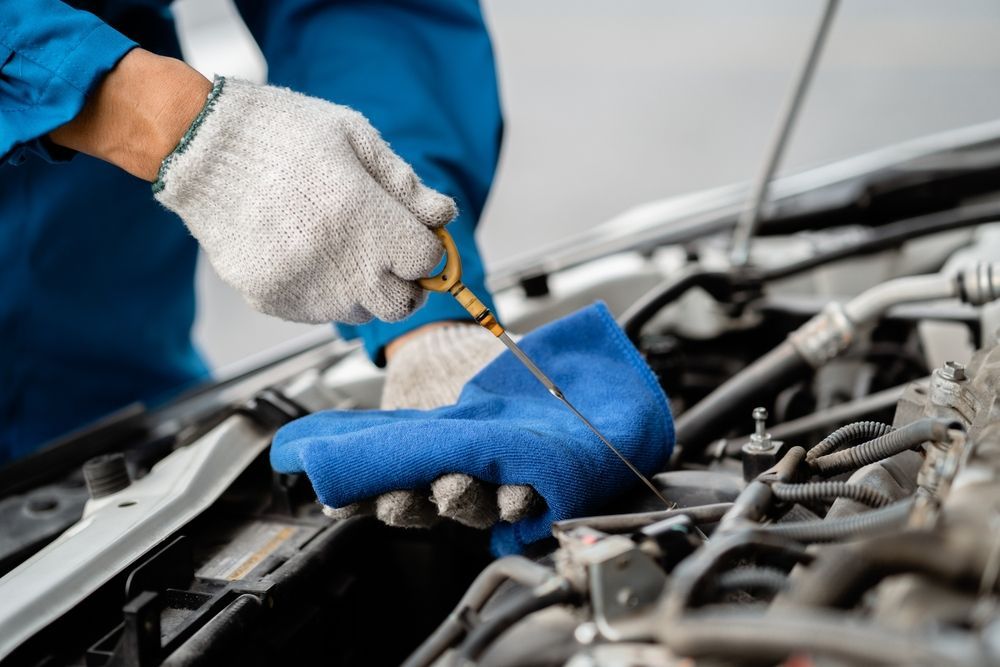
point(890, 517)
point(798, 493)
point(484, 634)
point(716, 283)
point(841, 575)
point(748, 637)
point(851, 434)
point(769, 578)
point(515, 568)
point(883, 447)
point(712, 416)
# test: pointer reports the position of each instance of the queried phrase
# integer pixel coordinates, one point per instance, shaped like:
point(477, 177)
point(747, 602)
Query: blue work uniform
point(96, 279)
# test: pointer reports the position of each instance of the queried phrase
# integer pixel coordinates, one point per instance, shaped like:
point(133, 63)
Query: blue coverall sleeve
point(51, 57)
point(423, 73)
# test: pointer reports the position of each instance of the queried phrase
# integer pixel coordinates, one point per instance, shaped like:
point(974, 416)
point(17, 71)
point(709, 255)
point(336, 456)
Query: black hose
point(708, 418)
point(754, 577)
point(841, 575)
point(893, 235)
point(900, 440)
point(852, 434)
point(516, 609)
point(749, 637)
point(510, 568)
point(717, 283)
point(890, 517)
point(798, 493)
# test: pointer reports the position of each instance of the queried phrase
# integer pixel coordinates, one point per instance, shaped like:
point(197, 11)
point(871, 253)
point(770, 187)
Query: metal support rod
point(749, 219)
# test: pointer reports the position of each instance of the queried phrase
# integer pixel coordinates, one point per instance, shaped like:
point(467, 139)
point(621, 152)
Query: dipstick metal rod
point(557, 392)
point(450, 280)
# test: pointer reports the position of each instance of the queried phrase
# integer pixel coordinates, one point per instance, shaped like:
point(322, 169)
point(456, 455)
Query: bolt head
point(627, 598)
point(954, 371)
point(759, 414)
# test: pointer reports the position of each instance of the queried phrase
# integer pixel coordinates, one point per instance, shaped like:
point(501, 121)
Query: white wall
point(613, 102)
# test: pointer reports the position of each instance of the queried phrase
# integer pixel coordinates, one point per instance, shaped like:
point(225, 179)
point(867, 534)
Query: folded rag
point(504, 429)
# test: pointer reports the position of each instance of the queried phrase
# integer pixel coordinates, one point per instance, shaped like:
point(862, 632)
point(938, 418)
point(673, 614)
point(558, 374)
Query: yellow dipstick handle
point(450, 280)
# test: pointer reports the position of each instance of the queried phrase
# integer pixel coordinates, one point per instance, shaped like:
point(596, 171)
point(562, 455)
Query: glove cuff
point(182, 146)
point(431, 370)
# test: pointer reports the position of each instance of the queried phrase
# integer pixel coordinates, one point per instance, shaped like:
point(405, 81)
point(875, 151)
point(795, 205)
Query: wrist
point(397, 343)
point(138, 113)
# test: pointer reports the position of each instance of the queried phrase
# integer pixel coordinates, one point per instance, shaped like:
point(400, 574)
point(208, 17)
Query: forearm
point(138, 113)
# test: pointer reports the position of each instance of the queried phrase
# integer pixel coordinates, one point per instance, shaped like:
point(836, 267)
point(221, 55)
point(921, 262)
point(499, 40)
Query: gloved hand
point(504, 429)
point(427, 372)
point(302, 207)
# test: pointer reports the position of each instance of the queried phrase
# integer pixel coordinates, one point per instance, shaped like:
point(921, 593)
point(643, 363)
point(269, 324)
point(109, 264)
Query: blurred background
point(610, 104)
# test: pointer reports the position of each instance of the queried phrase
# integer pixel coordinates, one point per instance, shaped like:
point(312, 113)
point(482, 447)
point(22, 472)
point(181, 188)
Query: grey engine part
point(876, 544)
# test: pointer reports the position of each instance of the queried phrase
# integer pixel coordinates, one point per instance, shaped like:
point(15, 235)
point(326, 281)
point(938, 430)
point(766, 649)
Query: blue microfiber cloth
point(504, 429)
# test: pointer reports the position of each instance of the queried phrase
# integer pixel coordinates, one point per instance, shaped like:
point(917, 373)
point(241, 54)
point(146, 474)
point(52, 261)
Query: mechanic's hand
point(505, 428)
point(427, 370)
point(298, 202)
point(302, 207)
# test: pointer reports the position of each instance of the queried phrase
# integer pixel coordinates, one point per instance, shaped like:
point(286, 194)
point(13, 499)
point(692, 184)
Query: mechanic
point(299, 204)
point(297, 201)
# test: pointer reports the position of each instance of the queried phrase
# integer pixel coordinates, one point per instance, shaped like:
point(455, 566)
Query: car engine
point(834, 487)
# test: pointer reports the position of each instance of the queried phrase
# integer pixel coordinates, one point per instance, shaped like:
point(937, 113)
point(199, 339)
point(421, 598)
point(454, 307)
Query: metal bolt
point(760, 417)
point(627, 598)
point(953, 371)
point(760, 439)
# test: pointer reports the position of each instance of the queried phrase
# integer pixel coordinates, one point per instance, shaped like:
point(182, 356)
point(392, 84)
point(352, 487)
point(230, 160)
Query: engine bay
point(834, 488)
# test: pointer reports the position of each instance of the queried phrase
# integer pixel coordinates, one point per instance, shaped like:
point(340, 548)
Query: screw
point(954, 371)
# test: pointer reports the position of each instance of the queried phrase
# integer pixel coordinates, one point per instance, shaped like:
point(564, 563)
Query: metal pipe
point(822, 338)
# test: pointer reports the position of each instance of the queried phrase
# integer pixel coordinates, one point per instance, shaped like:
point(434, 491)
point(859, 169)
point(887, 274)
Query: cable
point(890, 517)
point(894, 442)
point(851, 434)
point(798, 493)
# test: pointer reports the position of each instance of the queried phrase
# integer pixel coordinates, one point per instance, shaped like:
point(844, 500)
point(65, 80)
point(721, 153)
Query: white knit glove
point(302, 207)
point(427, 372)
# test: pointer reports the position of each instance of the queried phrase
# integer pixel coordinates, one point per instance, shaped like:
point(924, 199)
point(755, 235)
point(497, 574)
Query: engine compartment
point(835, 483)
